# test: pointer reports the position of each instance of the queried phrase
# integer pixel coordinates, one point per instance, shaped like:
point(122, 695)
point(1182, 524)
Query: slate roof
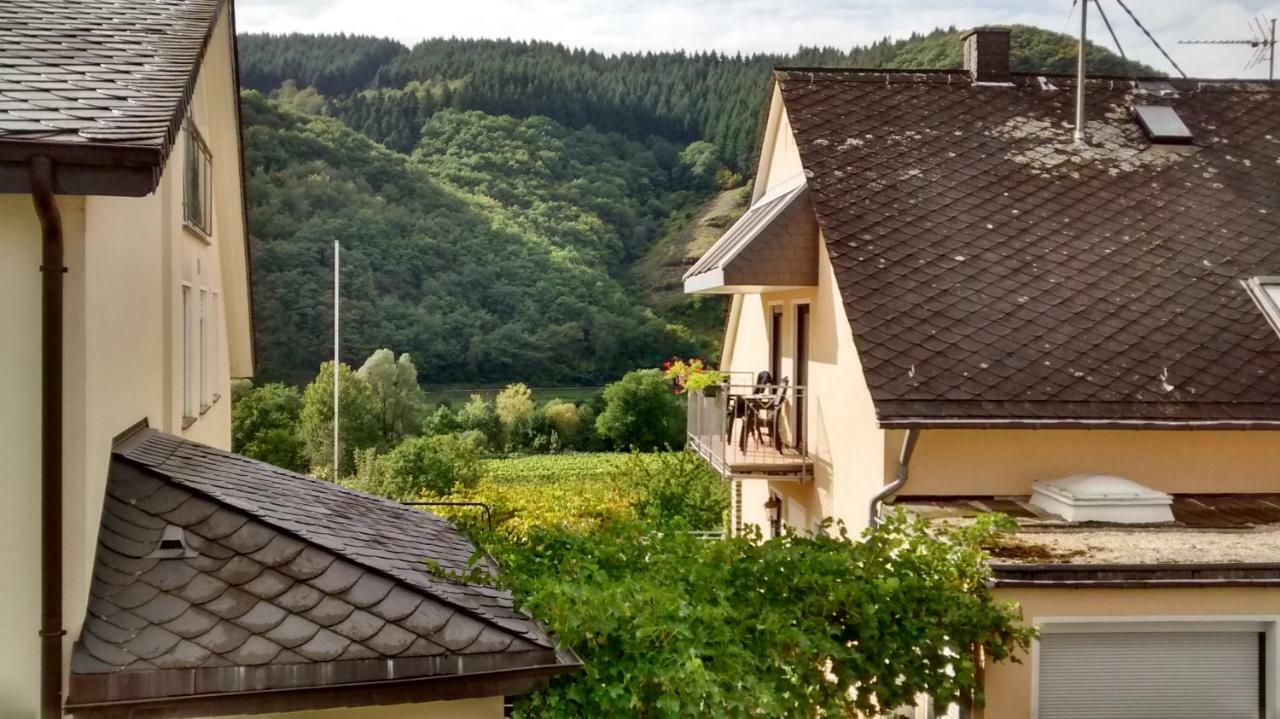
point(102, 71)
point(286, 582)
point(992, 274)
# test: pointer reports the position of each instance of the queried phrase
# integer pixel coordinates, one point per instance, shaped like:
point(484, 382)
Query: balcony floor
point(759, 460)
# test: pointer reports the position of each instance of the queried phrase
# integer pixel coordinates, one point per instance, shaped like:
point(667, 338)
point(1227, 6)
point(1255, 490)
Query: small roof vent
point(1162, 124)
point(172, 545)
point(1102, 498)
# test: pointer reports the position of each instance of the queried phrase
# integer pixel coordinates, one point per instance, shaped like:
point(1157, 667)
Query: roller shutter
point(1164, 675)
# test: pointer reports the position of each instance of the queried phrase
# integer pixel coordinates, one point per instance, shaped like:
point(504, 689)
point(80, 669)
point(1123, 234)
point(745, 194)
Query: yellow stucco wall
point(486, 708)
point(127, 259)
point(1009, 685)
point(1008, 461)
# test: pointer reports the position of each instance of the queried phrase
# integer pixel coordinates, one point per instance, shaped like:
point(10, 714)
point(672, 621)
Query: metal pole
point(1271, 75)
point(1084, 26)
point(337, 249)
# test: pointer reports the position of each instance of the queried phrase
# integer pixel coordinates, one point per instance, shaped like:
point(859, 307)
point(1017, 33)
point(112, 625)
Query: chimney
point(986, 54)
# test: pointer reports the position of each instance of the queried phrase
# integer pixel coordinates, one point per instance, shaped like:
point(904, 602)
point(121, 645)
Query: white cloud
point(757, 25)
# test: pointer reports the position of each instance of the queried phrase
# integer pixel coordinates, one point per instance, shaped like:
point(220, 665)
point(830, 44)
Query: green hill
point(513, 210)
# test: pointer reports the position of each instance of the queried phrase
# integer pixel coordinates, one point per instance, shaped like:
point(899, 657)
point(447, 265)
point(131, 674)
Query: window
point(197, 192)
point(206, 385)
point(1266, 292)
point(188, 354)
point(215, 384)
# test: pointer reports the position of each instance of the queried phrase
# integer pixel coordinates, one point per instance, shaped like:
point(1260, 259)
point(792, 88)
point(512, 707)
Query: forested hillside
point(505, 206)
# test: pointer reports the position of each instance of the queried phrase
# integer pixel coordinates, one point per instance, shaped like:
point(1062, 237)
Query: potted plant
point(693, 376)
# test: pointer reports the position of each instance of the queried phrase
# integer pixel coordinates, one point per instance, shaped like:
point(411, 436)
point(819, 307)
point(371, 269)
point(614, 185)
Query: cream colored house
point(148, 571)
point(972, 313)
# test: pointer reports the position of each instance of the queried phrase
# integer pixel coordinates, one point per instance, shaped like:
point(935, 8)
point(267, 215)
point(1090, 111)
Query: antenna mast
point(1084, 27)
point(337, 249)
point(1263, 41)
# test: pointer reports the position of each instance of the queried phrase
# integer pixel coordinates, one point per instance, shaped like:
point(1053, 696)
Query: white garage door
point(1164, 675)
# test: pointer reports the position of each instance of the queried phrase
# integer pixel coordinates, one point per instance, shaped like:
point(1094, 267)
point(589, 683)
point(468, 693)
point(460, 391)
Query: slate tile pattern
point(100, 71)
point(276, 570)
point(991, 271)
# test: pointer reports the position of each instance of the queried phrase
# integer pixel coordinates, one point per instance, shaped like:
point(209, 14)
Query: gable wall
point(126, 260)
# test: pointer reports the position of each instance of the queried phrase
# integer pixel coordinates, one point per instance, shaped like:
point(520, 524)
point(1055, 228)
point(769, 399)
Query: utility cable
point(1151, 38)
point(1133, 72)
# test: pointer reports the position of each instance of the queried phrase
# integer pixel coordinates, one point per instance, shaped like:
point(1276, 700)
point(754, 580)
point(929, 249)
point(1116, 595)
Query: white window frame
point(1268, 624)
point(1257, 287)
point(206, 384)
point(189, 401)
point(215, 379)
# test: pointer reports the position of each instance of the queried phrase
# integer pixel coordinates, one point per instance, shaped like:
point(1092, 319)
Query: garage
point(1211, 672)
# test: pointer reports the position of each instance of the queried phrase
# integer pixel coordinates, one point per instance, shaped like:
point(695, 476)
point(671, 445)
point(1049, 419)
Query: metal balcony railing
point(746, 430)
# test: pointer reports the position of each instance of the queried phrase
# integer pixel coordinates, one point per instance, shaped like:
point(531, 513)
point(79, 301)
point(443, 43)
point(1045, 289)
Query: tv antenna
point(1263, 43)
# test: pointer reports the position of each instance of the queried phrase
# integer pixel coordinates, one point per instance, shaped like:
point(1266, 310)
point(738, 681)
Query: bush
point(800, 626)
point(359, 419)
point(565, 420)
point(677, 488)
point(478, 415)
point(641, 411)
point(419, 466)
point(442, 421)
point(264, 424)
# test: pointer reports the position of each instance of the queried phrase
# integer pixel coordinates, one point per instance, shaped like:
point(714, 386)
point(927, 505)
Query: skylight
point(1162, 124)
point(1266, 292)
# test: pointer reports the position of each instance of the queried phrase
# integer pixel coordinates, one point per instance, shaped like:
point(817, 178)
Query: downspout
point(899, 478)
point(51, 268)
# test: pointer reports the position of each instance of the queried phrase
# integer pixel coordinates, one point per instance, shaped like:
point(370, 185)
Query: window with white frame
point(197, 190)
point(1266, 292)
point(215, 379)
point(188, 353)
point(206, 385)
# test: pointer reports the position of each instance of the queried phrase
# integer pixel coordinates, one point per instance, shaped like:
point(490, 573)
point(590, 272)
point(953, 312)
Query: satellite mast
point(1263, 42)
point(1080, 78)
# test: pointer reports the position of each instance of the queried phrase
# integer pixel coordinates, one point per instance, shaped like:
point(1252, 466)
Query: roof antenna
point(1263, 42)
point(1081, 142)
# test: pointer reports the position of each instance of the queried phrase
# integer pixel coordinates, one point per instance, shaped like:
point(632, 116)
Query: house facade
point(998, 317)
point(137, 587)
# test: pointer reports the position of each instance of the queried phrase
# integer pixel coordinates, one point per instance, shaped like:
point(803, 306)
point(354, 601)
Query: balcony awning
point(773, 246)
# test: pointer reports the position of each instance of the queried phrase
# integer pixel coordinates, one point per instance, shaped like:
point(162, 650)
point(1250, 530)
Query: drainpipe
point(899, 478)
point(51, 268)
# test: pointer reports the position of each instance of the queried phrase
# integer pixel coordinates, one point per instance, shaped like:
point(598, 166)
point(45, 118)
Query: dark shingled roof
point(286, 582)
point(992, 273)
point(104, 71)
point(97, 84)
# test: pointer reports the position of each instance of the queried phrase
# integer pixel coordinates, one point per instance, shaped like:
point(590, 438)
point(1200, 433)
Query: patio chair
point(766, 412)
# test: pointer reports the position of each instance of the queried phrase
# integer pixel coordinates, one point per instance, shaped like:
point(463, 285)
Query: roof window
point(1266, 292)
point(1162, 124)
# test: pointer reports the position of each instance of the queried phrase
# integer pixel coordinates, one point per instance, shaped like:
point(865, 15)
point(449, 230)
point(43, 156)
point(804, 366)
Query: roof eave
point(1134, 576)
point(504, 682)
point(907, 422)
point(129, 170)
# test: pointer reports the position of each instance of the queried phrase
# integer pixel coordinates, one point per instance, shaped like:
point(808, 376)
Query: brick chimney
point(986, 54)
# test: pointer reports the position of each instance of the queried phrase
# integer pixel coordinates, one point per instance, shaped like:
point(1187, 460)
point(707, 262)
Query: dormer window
point(1266, 292)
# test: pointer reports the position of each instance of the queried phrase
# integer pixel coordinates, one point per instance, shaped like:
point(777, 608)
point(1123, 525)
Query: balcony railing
point(751, 431)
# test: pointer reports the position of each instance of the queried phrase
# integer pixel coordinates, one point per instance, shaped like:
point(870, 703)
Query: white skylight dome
point(1102, 498)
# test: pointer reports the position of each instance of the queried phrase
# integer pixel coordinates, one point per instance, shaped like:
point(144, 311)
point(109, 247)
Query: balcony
point(749, 431)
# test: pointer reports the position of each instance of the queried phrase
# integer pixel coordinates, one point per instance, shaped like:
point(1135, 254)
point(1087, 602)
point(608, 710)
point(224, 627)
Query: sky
point(775, 26)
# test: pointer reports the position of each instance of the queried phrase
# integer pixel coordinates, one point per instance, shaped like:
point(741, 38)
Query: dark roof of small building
point(99, 81)
point(283, 583)
point(995, 275)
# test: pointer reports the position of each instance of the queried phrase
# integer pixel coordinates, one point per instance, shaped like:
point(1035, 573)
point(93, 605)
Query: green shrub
point(478, 415)
point(264, 424)
point(677, 488)
point(514, 407)
point(800, 626)
point(641, 411)
point(419, 466)
point(359, 419)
